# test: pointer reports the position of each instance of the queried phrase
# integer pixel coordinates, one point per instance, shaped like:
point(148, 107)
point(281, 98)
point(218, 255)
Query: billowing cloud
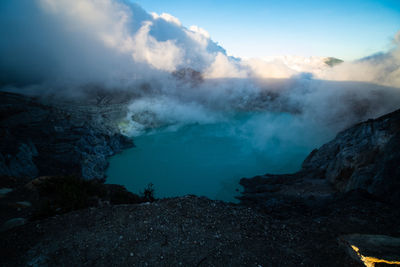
point(94, 41)
point(202, 31)
point(167, 17)
point(160, 55)
point(62, 46)
point(223, 67)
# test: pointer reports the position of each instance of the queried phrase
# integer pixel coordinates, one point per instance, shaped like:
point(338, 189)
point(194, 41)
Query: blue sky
point(254, 28)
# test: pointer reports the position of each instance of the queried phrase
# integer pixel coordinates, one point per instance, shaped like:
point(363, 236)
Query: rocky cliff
point(38, 138)
point(364, 157)
point(301, 217)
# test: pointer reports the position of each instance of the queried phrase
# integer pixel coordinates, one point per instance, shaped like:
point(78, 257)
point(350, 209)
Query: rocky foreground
point(193, 231)
point(343, 202)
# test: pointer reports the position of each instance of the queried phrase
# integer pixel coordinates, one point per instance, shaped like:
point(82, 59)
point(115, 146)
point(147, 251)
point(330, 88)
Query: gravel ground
point(193, 231)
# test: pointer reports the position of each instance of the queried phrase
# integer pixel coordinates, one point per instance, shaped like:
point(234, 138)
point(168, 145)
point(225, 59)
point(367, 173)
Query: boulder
point(372, 249)
point(5, 191)
point(12, 223)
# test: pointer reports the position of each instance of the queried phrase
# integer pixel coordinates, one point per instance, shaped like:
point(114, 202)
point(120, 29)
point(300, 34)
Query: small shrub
point(148, 193)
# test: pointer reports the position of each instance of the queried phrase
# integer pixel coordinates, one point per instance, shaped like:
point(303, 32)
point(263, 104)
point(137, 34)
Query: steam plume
point(61, 46)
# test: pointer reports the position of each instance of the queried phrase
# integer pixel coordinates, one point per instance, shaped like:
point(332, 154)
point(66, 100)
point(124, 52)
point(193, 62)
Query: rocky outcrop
point(372, 249)
point(364, 157)
point(38, 138)
point(188, 75)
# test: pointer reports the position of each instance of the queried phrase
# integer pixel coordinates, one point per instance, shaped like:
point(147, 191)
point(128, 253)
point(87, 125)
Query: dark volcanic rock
point(187, 231)
point(37, 138)
point(366, 156)
point(363, 157)
point(192, 231)
point(24, 199)
point(188, 75)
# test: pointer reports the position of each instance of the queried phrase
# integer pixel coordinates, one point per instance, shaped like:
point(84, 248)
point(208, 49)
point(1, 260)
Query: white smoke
point(98, 41)
point(383, 69)
point(179, 75)
point(223, 67)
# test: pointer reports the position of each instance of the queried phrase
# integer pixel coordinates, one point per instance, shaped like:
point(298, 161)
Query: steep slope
point(364, 157)
point(42, 139)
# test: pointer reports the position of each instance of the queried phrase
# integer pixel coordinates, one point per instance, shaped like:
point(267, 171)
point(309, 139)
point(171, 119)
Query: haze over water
point(180, 81)
point(209, 159)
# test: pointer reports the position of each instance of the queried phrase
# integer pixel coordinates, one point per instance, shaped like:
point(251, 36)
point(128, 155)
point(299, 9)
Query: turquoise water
point(209, 159)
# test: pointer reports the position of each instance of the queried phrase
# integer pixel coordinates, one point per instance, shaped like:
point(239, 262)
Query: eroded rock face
point(37, 138)
point(363, 157)
point(366, 156)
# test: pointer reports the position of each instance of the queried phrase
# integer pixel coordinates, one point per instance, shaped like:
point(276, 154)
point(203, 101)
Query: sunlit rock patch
point(373, 249)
